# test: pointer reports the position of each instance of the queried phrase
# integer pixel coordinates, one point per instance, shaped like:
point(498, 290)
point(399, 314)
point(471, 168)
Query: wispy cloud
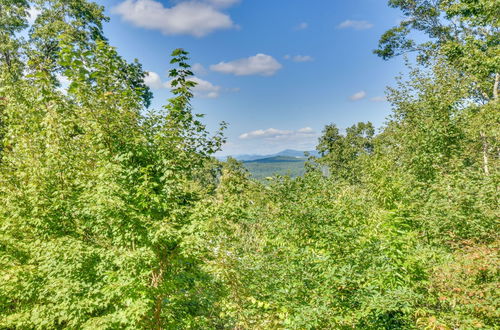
point(358, 96)
point(199, 69)
point(194, 18)
point(222, 3)
point(260, 64)
point(301, 26)
point(277, 134)
point(299, 58)
point(264, 133)
point(378, 99)
point(356, 25)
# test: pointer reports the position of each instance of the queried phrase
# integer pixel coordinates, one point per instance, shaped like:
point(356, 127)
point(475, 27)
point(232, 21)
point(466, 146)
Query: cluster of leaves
point(115, 216)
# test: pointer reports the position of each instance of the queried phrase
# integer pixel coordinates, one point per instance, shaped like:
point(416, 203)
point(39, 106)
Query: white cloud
point(356, 25)
point(259, 64)
point(277, 134)
point(306, 130)
point(190, 18)
point(302, 26)
point(199, 69)
point(358, 96)
point(378, 99)
point(33, 14)
point(153, 80)
point(203, 88)
point(267, 133)
point(299, 58)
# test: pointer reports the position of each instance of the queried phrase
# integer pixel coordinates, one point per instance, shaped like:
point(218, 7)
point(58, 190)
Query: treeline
point(114, 216)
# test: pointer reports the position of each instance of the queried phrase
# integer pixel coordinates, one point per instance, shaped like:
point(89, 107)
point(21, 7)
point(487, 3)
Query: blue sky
point(277, 71)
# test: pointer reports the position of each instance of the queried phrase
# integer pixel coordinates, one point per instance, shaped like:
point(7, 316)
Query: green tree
point(343, 154)
point(96, 192)
point(12, 21)
point(465, 34)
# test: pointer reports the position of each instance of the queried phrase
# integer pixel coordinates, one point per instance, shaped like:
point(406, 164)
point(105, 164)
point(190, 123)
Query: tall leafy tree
point(96, 192)
point(465, 34)
point(343, 153)
point(12, 21)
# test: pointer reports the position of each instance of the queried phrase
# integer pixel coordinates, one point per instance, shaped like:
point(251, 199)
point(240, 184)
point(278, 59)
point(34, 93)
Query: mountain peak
point(284, 153)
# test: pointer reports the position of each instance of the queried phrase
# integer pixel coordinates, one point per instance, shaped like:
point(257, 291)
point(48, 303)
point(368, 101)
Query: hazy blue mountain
point(245, 158)
point(293, 166)
point(284, 153)
point(278, 159)
point(294, 153)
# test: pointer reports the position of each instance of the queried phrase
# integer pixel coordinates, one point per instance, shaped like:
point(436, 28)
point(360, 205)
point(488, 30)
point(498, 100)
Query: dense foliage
point(115, 216)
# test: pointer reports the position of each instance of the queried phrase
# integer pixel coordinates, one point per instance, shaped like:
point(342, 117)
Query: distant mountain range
point(287, 162)
point(263, 168)
point(277, 159)
point(284, 153)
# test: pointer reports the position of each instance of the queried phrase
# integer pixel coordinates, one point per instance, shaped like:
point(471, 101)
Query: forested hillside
point(260, 169)
point(116, 216)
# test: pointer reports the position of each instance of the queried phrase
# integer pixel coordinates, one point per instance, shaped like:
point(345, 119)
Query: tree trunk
point(485, 154)
point(495, 87)
point(157, 277)
point(484, 140)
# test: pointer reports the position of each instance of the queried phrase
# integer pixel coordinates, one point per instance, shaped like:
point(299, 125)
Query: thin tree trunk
point(485, 154)
point(483, 136)
point(495, 87)
point(157, 277)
